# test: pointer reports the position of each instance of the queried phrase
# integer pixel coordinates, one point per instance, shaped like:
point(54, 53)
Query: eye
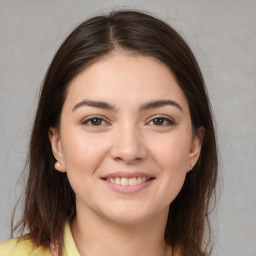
point(161, 121)
point(94, 121)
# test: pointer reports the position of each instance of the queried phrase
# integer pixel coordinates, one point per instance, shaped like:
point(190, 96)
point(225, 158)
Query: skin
point(124, 140)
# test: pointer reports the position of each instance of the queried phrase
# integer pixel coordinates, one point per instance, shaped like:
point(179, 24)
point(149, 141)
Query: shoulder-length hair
point(49, 198)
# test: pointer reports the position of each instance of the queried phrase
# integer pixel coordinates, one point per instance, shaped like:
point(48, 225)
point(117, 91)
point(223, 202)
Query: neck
point(97, 236)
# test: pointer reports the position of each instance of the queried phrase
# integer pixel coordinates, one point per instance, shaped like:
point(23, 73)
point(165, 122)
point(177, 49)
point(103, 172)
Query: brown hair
point(49, 199)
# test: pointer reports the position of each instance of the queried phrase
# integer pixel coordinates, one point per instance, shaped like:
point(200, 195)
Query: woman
point(122, 155)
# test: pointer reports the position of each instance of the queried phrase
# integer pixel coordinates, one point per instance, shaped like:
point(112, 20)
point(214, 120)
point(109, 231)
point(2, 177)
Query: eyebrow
point(159, 103)
point(145, 106)
point(94, 104)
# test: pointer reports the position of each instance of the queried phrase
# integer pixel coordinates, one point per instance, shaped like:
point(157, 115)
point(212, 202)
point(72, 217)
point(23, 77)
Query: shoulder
point(22, 246)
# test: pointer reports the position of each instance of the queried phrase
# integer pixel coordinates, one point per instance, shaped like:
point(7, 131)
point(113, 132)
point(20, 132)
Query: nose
point(128, 145)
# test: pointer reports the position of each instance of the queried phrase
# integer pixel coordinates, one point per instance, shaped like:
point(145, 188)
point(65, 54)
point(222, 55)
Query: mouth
point(133, 181)
point(128, 182)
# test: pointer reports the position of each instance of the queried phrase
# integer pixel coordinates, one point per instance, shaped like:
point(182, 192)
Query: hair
point(49, 198)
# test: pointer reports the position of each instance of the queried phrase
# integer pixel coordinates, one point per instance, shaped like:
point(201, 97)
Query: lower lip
point(128, 189)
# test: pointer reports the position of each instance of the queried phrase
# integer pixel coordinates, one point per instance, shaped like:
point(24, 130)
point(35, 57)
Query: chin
point(129, 220)
point(131, 216)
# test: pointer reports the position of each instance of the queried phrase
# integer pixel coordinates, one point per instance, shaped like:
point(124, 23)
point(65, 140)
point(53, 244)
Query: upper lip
point(127, 175)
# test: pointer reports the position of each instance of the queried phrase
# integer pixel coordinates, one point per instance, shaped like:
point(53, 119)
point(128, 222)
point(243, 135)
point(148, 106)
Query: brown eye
point(94, 121)
point(158, 121)
point(161, 121)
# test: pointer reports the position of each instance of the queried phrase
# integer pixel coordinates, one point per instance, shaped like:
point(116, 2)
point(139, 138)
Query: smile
point(128, 181)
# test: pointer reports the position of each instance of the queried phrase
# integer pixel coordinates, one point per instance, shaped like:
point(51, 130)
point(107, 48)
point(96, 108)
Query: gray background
point(222, 35)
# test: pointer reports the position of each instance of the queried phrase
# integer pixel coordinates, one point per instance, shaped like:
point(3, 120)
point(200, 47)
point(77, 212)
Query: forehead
point(123, 79)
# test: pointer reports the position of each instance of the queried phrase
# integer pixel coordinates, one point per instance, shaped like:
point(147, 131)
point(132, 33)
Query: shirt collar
point(69, 243)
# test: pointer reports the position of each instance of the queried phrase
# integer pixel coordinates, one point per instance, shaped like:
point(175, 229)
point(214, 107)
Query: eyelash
point(86, 121)
point(162, 118)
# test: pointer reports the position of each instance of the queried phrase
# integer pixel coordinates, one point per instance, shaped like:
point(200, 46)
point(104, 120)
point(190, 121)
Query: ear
point(57, 151)
point(196, 145)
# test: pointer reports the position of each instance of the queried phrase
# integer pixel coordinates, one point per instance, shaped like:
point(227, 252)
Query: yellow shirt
point(23, 246)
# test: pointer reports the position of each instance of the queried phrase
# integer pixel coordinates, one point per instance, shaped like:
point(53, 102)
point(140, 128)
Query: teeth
point(133, 181)
point(124, 182)
point(127, 182)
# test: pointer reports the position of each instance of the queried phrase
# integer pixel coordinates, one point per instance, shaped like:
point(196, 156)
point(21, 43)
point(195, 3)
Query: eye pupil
point(96, 121)
point(158, 121)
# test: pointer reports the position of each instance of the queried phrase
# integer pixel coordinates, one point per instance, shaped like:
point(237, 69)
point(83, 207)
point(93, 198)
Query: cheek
point(171, 152)
point(171, 157)
point(83, 153)
point(82, 156)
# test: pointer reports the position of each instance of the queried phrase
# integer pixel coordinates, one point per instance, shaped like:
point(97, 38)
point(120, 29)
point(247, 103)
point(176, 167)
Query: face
point(125, 138)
